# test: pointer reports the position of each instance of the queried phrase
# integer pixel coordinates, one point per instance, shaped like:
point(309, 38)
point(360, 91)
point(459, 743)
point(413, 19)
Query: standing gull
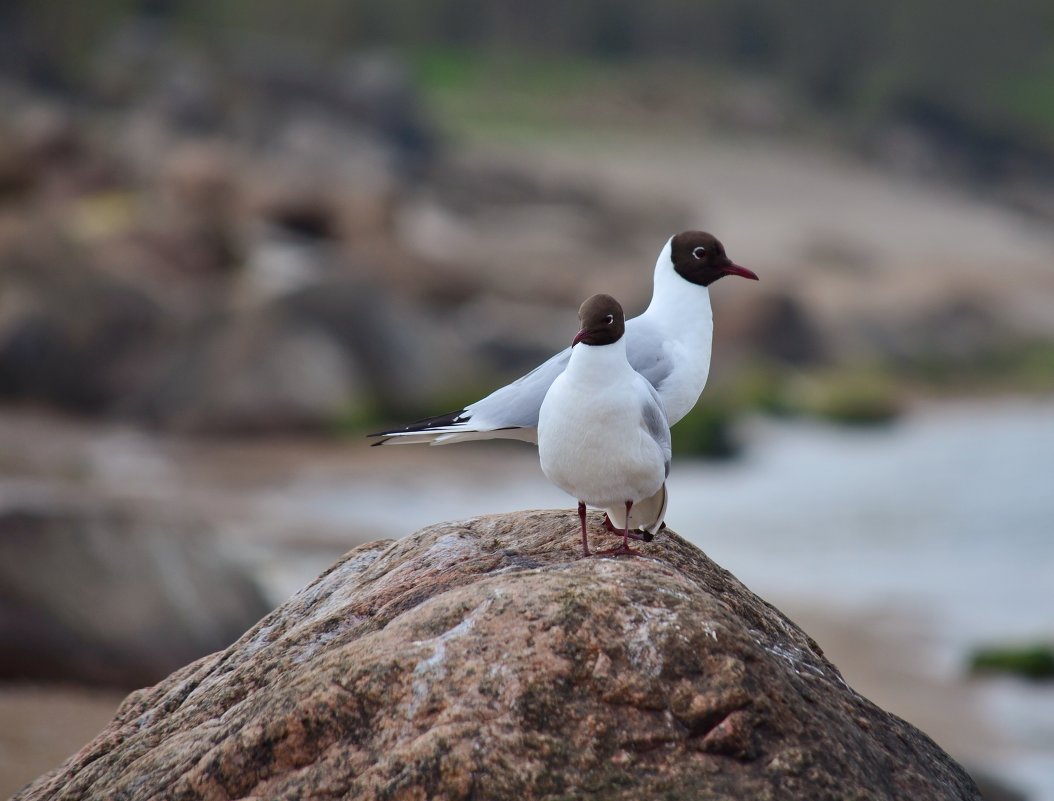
point(669, 344)
point(603, 436)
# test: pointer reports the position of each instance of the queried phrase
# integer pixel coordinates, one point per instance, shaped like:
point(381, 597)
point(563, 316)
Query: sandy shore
point(41, 726)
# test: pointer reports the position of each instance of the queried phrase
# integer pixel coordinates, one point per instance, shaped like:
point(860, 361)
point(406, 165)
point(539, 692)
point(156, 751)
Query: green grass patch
point(511, 95)
point(853, 396)
point(1026, 366)
point(865, 394)
point(461, 70)
point(501, 94)
point(708, 430)
point(1028, 99)
point(857, 396)
point(1034, 662)
point(357, 419)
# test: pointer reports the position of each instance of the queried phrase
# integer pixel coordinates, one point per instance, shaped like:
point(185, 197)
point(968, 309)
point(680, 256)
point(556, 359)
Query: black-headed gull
point(669, 344)
point(603, 436)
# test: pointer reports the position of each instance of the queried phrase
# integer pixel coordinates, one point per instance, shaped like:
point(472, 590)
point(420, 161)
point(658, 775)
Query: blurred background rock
point(236, 236)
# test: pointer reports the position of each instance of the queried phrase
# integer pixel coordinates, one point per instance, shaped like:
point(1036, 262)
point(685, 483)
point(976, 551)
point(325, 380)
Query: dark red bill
point(735, 269)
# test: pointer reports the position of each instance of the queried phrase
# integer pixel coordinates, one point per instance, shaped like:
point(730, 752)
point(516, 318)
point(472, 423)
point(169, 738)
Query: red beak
point(579, 336)
point(735, 269)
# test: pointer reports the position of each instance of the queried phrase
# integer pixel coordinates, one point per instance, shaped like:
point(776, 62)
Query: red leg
point(582, 520)
point(625, 529)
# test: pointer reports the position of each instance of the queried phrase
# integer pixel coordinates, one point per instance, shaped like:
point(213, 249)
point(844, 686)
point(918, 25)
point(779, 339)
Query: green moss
point(1034, 365)
point(355, 419)
point(763, 388)
point(502, 93)
point(515, 95)
point(1034, 662)
point(708, 430)
point(449, 69)
point(1024, 366)
point(855, 396)
point(1028, 97)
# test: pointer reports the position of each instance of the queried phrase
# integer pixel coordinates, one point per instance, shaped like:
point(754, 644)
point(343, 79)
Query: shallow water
point(950, 513)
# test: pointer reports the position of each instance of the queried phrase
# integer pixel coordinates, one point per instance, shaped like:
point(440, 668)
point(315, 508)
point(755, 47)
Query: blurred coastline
point(228, 251)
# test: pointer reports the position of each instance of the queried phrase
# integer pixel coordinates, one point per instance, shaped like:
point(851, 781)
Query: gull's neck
point(674, 300)
point(594, 363)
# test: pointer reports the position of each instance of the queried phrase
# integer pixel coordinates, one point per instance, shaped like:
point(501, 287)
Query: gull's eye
point(609, 319)
point(699, 252)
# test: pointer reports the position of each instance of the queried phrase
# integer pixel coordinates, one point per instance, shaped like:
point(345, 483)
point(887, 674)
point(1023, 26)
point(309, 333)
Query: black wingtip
point(422, 426)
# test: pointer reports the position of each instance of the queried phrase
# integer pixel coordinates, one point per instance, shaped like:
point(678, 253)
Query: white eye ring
point(699, 252)
point(609, 319)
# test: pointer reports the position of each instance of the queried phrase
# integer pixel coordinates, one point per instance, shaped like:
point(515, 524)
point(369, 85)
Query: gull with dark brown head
point(603, 435)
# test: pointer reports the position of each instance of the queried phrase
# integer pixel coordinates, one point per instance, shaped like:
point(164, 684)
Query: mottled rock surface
point(484, 659)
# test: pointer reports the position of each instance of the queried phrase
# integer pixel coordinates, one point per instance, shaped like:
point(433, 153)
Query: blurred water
point(950, 512)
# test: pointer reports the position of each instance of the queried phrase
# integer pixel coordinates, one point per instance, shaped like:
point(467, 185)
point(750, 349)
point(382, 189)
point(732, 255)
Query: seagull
point(603, 435)
point(669, 344)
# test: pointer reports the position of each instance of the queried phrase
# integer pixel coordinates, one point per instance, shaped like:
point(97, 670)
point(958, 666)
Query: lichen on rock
point(486, 660)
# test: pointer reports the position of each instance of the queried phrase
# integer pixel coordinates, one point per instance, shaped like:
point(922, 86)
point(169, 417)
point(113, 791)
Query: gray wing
point(646, 354)
point(512, 411)
point(653, 418)
point(516, 405)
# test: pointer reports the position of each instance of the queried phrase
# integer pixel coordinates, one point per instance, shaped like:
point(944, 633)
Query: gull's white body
point(669, 345)
point(603, 435)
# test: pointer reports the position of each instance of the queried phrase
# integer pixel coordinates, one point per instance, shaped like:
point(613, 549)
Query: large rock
point(302, 361)
point(252, 373)
point(485, 659)
point(100, 595)
point(70, 335)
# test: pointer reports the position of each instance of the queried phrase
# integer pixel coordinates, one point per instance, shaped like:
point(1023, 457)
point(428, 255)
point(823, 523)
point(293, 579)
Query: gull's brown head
point(603, 321)
point(699, 257)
